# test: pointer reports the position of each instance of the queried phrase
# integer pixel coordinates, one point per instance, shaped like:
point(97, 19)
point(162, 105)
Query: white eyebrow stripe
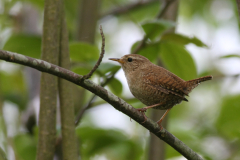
point(137, 58)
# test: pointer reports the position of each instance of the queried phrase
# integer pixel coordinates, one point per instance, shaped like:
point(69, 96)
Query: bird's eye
point(129, 59)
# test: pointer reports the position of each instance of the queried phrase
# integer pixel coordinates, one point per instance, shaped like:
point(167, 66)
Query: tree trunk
point(89, 13)
point(69, 144)
point(49, 83)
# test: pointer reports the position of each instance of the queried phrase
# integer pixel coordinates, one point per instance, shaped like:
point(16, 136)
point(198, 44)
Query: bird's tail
point(191, 84)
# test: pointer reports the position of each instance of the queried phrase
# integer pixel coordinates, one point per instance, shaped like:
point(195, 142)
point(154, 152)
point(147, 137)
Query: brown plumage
point(155, 86)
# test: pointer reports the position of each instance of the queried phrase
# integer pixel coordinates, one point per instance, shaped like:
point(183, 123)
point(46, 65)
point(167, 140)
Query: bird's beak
point(116, 59)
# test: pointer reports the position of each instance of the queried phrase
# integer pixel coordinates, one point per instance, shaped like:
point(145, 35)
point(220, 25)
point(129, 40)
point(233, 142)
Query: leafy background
point(206, 42)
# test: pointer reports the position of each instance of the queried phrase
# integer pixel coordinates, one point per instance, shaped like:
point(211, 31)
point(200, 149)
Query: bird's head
point(132, 62)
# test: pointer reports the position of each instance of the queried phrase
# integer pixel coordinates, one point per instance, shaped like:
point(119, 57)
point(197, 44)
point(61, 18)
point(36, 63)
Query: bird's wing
point(165, 82)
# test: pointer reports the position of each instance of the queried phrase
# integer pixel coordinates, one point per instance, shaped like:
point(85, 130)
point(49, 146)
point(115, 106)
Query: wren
point(155, 86)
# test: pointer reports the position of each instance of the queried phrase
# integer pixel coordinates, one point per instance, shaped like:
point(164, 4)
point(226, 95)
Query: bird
point(155, 86)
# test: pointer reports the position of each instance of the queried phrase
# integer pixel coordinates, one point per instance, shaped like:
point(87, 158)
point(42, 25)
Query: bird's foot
point(160, 125)
point(142, 110)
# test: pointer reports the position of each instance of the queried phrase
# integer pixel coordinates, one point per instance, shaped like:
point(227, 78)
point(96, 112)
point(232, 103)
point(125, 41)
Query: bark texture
point(69, 144)
point(49, 83)
point(88, 16)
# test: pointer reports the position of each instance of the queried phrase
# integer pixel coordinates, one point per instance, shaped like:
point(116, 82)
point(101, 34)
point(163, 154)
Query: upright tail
point(190, 85)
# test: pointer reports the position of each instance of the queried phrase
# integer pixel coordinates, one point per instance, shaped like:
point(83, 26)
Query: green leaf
point(38, 3)
point(108, 67)
point(149, 51)
point(231, 56)
point(25, 147)
point(85, 68)
point(27, 45)
point(177, 59)
point(2, 154)
point(141, 13)
point(181, 39)
point(112, 143)
point(155, 28)
point(13, 88)
point(100, 137)
point(116, 86)
point(83, 52)
point(82, 70)
point(228, 121)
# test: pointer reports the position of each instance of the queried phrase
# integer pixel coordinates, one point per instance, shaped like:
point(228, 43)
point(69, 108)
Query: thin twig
point(100, 58)
point(115, 101)
point(90, 102)
point(82, 111)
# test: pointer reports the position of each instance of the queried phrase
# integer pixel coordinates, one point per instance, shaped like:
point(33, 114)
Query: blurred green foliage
point(83, 52)
point(28, 45)
point(231, 56)
point(178, 60)
point(228, 120)
point(84, 55)
point(149, 51)
point(105, 68)
point(25, 147)
point(112, 143)
point(116, 86)
point(154, 29)
point(13, 88)
point(2, 154)
point(183, 40)
point(193, 124)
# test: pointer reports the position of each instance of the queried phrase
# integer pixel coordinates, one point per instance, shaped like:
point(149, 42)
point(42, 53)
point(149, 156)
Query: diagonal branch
point(90, 102)
point(165, 6)
point(128, 7)
point(115, 101)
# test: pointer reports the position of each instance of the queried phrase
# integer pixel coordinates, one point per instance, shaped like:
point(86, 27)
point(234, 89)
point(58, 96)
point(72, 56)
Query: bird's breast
point(139, 89)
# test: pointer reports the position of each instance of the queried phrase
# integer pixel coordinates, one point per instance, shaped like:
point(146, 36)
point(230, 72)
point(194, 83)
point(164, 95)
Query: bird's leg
point(144, 109)
point(161, 119)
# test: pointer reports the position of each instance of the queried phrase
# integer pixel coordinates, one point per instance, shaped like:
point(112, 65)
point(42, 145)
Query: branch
point(115, 101)
point(100, 58)
point(128, 7)
point(90, 102)
point(165, 5)
point(238, 6)
point(82, 111)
